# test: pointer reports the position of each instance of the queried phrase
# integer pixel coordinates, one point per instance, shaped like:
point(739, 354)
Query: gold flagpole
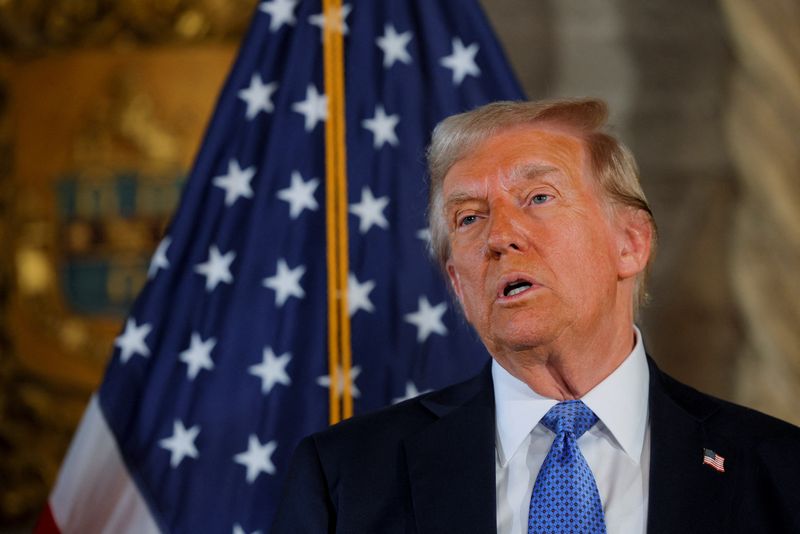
point(339, 353)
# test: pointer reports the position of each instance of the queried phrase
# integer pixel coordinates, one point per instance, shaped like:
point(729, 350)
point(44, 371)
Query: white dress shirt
point(617, 448)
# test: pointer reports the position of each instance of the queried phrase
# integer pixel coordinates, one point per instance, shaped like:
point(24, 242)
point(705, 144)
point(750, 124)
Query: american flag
point(714, 460)
point(222, 365)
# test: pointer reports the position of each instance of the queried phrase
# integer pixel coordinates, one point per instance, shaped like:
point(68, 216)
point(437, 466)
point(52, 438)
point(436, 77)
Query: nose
point(505, 230)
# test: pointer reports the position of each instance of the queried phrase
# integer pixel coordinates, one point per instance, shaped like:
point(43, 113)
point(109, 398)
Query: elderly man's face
point(535, 253)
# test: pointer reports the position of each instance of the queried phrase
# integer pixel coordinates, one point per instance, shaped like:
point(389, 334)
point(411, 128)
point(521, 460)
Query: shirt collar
point(620, 402)
point(517, 410)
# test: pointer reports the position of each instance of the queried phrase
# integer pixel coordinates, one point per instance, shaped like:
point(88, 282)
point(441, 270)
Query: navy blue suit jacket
point(428, 465)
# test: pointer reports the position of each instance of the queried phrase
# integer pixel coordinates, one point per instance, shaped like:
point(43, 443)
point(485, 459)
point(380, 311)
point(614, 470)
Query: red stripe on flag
point(46, 523)
point(717, 462)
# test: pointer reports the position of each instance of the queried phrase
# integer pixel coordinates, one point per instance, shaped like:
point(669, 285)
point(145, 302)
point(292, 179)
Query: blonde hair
point(611, 162)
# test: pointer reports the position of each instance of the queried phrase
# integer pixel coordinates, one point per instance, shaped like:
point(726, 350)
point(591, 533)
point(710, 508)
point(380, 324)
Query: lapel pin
point(714, 460)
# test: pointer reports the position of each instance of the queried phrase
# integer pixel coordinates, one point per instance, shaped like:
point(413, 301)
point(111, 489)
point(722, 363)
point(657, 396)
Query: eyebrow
point(457, 198)
point(530, 171)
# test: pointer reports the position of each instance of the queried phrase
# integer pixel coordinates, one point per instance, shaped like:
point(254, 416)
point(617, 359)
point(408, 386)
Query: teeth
point(518, 289)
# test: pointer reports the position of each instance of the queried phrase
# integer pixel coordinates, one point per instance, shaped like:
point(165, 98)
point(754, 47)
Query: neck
point(568, 368)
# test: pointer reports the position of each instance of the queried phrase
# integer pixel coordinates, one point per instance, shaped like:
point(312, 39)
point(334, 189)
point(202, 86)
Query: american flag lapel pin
point(714, 460)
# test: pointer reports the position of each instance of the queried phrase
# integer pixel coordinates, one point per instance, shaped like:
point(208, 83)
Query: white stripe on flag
point(94, 492)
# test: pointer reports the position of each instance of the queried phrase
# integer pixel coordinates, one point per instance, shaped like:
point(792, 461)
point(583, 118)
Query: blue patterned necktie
point(565, 497)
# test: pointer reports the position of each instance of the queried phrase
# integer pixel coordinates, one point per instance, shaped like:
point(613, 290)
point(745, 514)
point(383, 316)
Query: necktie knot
point(571, 416)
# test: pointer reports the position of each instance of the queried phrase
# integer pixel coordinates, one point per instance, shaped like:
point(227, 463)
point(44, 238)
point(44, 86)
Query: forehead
point(505, 154)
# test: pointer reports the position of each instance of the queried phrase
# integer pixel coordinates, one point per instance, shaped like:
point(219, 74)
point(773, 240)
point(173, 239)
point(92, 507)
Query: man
point(540, 223)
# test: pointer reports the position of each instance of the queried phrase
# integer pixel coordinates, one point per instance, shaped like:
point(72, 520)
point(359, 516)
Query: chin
point(522, 333)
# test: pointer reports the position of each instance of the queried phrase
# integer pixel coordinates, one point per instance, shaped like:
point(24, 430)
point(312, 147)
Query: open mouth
point(515, 288)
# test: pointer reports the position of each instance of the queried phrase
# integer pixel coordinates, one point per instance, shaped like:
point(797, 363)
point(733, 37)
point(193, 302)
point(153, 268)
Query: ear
point(634, 239)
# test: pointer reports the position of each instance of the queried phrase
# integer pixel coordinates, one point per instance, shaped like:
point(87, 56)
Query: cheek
point(583, 257)
point(470, 287)
point(469, 283)
point(466, 259)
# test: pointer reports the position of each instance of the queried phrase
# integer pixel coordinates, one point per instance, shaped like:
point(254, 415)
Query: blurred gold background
point(103, 104)
point(102, 107)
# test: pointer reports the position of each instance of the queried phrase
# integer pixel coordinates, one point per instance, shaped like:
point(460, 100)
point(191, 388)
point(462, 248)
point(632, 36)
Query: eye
point(467, 220)
point(541, 198)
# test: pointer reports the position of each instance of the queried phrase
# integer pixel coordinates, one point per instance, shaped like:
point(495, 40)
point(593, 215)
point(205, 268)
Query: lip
point(514, 277)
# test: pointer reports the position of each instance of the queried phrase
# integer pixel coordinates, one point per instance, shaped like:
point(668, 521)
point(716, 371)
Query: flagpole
point(339, 350)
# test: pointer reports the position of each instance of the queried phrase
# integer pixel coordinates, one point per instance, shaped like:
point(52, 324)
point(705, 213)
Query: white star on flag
point(258, 96)
point(394, 45)
point(286, 282)
point(411, 392)
point(280, 11)
point(300, 195)
point(159, 260)
point(314, 108)
point(370, 211)
point(257, 458)
point(132, 340)
point(217, 268)
point(181, 443)
point(424, 234)
point(236, 183)
point(427, 319)
point(382, 127)
point(334, 19)
point(237, 529)
point(358, 295)
point(198, 355)
point(325, 381)
point(272, 370)
point(461, 61)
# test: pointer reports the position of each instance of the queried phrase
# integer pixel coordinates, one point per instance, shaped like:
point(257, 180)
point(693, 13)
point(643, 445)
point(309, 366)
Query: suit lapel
point(685, 494)
point(451, 463)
